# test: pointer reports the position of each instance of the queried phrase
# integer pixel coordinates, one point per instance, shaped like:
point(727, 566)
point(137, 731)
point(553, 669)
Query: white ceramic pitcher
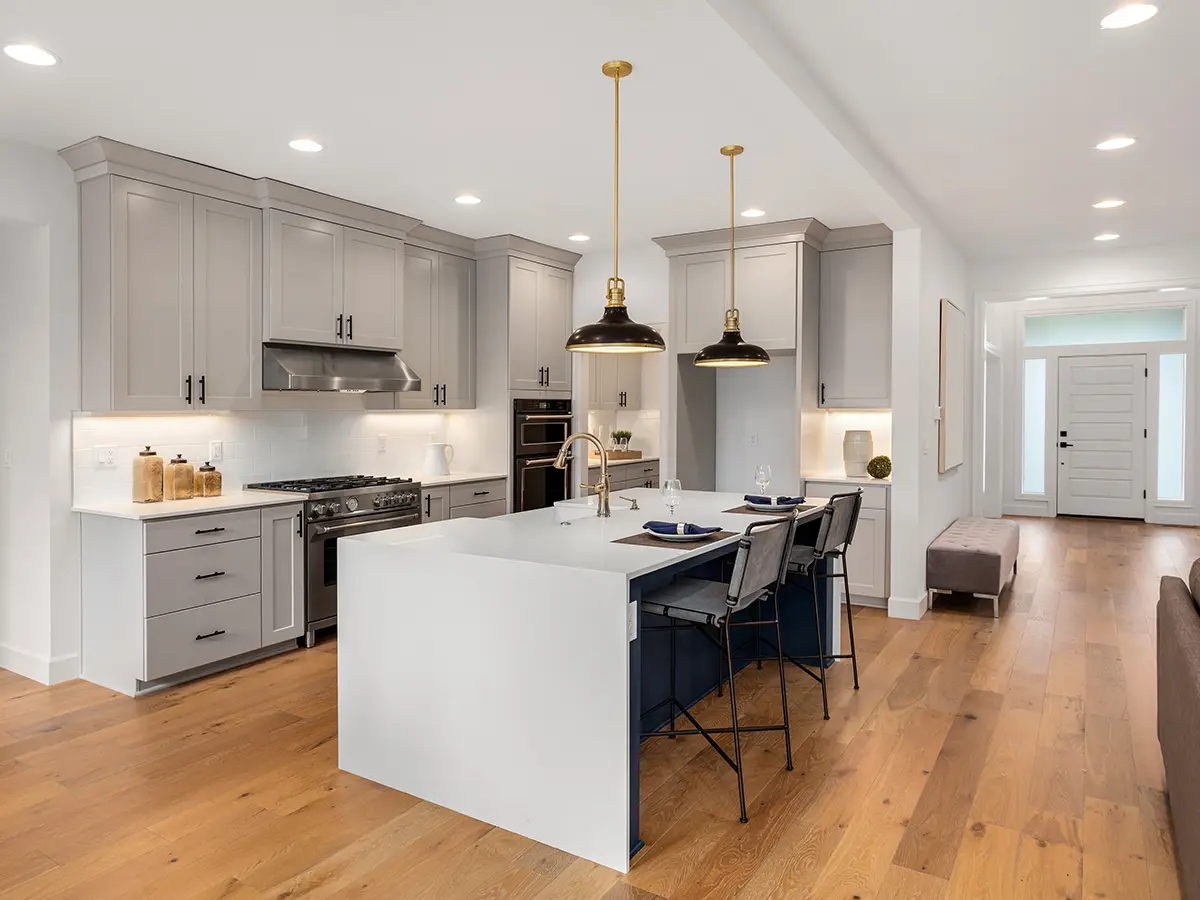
point(438, 458)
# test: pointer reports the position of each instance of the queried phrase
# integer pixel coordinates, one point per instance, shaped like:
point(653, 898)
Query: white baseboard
point(908, 607)
point(41, 669)
point(1166, 516)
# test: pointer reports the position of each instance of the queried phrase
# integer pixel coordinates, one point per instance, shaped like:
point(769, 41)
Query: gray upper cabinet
point(767, 293)
point(855, 352)
point(305, 278)
point(373, 290)
point(172, 299)
point(616, 380)
point(439, 324)
point(227, 314)
point(540, 302)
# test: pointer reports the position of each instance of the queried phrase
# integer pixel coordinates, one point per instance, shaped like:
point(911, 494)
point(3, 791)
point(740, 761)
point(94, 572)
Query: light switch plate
point(106, 455)
point(216, 451)
point(381, 440)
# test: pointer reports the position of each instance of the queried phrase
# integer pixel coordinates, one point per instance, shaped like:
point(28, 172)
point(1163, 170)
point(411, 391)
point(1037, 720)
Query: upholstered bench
point(973, 556)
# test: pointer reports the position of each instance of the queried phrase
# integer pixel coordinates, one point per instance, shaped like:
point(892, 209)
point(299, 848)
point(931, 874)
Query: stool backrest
point(761, 561)
point(838, 522)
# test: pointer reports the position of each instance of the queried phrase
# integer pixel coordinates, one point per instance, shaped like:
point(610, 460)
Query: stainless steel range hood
point(300, 367)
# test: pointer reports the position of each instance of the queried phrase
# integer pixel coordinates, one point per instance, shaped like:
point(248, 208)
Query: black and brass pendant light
point(616, 332)
point(731, 351)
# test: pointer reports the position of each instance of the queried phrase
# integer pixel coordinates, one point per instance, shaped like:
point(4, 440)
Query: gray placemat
point(747, 511)
point(641, 539)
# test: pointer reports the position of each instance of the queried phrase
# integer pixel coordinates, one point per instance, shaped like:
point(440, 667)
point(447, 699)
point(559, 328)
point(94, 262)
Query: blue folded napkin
point(679, 528)
point(773, 501)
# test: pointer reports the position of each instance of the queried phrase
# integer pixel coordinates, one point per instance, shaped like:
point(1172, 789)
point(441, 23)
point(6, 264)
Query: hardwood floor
point(981, 759)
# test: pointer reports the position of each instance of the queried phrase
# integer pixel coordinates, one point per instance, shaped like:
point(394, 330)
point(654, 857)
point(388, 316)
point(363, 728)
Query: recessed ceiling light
point(1037, 298)
point(1117, 143)
point(1106, 237)
point(305, 145)
point(579, 237)
point(1172, 290)
point(753, 213)
point(467, 199)
point(1129, 14)
point(31, 54)
point(1108, 204)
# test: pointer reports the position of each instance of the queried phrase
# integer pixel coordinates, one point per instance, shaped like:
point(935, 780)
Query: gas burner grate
point(334, 483)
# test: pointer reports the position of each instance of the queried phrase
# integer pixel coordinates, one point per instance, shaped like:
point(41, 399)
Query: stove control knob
point(334, 506)
point(377, 501)
point(351, 504)
point(318, 509)
point(410, 497)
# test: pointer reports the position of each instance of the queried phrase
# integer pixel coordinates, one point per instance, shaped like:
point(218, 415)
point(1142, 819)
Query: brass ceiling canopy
point(616, 332)
point(731, 351)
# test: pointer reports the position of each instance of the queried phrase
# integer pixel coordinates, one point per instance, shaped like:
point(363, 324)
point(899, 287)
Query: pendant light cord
point(732, 280)
point(616, 172)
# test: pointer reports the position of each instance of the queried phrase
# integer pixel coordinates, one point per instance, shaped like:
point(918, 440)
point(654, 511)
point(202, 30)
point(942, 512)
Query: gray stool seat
point(692, 600)
point(973, 556)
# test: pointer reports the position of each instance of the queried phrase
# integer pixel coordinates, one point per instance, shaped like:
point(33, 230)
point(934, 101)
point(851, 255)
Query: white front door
point(1101, 436)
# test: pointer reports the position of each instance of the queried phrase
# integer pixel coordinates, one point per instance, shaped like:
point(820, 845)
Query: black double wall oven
point(539, 429)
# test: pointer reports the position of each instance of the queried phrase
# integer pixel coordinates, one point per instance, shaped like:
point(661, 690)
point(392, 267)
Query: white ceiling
point(418, 102)
point(990, 111)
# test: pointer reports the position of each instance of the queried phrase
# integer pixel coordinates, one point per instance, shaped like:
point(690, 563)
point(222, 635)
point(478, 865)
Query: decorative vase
point(857, 450)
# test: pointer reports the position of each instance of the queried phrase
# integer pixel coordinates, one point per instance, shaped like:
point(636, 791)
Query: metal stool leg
point(757, 650)
point(820, 644)
point(737, 737)
point(720, 674)
point(850, 621)
point(787, 732)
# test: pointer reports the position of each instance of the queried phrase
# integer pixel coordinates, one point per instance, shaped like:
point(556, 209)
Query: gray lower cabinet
point(177, 598)
point(472, 499)
point(626, 475)
point(435, 504)
point(439, 329)
point(868, 558)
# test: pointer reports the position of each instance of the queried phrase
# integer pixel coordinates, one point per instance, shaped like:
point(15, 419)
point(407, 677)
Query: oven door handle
point(562, 417)
point(369, 525)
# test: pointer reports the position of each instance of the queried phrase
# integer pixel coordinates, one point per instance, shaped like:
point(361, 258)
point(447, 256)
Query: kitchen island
point(498, 666)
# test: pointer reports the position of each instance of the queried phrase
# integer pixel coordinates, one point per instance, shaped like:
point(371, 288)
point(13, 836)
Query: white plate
point(770, 507)
point(677, 537)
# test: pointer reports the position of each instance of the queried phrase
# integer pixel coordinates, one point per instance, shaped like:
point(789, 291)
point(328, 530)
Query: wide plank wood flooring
point(981, 759)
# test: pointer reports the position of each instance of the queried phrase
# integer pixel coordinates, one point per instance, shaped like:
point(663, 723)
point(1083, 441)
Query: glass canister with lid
point(208, 481)
point(147, 477)
point(179, 481)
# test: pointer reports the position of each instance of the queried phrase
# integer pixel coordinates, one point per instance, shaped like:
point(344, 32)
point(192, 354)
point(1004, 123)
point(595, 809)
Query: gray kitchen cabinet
point(868, 556)
point(767, 294)
point(436, 504)
point(227, 306)
point(540, 304)
point(282, 545)
point(616, 380)
point(855, 345)
point(171, 299)
point(439, 324)
point(373, 290)
point(305, 278)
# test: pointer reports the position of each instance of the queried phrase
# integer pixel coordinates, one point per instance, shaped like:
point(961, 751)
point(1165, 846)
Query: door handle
point(443, 395)
point(188, 385)
point(202, 400)
point(428, 501)
point(216, 530)
point(1065, 444)
point(211, 634)
point(339, 326)
point(209, 575)
point(822, 393)
point(299, 522)
point(350, 327)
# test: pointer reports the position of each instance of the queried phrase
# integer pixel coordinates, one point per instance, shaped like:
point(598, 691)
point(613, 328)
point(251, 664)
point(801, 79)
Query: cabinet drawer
point(477, 492)
point(206, 634)
point(180, 579)
point(478, 510)
point(199, 531)
point(874, 496)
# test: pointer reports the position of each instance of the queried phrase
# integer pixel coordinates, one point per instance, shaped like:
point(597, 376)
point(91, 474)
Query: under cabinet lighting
point(1129, 14)
point(31, 54)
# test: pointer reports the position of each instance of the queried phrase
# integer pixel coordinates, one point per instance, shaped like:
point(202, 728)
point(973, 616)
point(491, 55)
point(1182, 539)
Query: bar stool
point(758, 572)
point(838, 522)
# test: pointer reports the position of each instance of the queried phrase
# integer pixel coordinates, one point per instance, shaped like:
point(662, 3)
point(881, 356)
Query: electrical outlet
point(381, 445)
point(8, 459)
point(216, 451)
point(106, 456)
point(754, 439)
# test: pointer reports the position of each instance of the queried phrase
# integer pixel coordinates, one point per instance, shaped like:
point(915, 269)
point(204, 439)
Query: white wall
point(756, 423)
point(646, 272)
point(37, 193)
point(1113, 268)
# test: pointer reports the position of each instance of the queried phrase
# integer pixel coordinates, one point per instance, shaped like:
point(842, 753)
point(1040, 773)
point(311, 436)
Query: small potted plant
point(621, 439)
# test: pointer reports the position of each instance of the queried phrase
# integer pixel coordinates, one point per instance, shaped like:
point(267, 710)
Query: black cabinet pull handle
point(202, 400)
point(188, 385)
point(822, 392)
point(204, 637)
point(482, 493)
point(443, 395)
point(210, 530)
point(299, 522)
point(350, 327)
point(428, 502)
point(209, 575)
point(1065, 444)
point(339, 327)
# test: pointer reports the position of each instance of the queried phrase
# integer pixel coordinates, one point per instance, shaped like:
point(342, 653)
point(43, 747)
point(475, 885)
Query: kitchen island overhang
point(494, 666)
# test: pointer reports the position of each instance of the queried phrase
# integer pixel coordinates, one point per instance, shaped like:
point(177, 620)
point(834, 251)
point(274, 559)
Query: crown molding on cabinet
point(857, 237)
point(791, 231)
point(274, 194)
point(431, 238)
point(523, 248)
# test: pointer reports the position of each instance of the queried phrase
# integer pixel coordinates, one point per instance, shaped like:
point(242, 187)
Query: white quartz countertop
point(459, 478)
point(571, 535)
point(594, 462)
point(170, 509)
point(849, 479)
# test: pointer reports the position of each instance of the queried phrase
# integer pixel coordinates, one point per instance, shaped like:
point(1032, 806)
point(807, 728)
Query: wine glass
point(671, 494)
point(762, 477)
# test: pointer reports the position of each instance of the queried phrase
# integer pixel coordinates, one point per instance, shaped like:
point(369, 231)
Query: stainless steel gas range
point(340, 507)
